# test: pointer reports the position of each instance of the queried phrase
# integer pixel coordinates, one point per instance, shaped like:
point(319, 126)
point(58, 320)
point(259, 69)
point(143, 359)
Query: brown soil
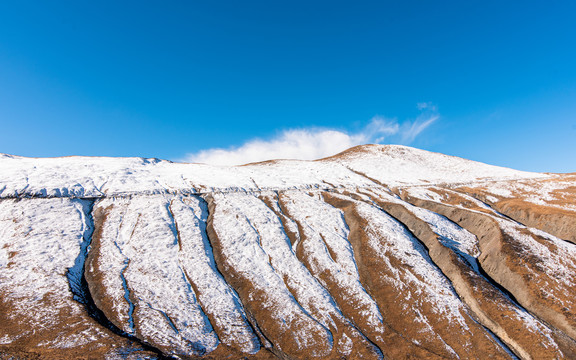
point(513, 276)
point(487, 303)
point(556, 221)
point(510, 265)
point(39, 338)
point(284, 341)
point(361, 346)
point(392, 302)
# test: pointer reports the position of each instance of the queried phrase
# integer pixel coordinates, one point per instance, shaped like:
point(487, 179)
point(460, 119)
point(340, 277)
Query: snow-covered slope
point(377, 252)
point(361, 166)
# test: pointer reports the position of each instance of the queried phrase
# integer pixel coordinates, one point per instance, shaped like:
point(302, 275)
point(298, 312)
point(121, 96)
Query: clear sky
point(493, 81)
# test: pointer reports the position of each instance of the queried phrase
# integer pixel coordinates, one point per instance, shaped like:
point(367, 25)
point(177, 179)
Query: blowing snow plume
point(314, 143)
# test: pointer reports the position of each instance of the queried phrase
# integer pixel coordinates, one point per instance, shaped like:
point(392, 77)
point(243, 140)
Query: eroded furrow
point(219, 301)
point(452, 249)
point(527, 203)
point(420, 302)
point(291, 274)
point(132, 277)
point(535, 267)
point(246, 267)
point(45, 310)
point(335, 268)
point(348, 338)
point(291, 308)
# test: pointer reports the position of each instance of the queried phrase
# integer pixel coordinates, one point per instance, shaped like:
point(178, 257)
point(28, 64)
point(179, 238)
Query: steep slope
point(377, 252)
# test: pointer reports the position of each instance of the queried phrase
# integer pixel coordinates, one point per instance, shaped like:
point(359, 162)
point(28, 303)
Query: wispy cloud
point(411, 130)
point(316, 143)
point(428, 106)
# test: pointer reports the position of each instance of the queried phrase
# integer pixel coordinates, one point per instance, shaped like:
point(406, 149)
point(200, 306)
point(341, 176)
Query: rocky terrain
point(380, 252)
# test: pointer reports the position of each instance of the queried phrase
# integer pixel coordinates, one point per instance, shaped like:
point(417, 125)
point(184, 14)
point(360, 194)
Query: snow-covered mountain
point(377, 252)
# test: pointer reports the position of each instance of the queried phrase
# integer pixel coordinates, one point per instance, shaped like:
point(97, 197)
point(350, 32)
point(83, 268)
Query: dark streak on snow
point(250, 320)
point(81, 292)
point(168, 319)
point(125, 283)
point(76, 272)
point(190, 286)
point(475, 266)
point(173, 225)
point(127, 297)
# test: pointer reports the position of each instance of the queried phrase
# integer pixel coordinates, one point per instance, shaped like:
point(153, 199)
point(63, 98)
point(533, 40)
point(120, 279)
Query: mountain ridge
point(73, 176)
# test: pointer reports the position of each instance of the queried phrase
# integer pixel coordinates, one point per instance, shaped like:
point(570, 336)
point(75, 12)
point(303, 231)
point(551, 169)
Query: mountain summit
point(377, 252)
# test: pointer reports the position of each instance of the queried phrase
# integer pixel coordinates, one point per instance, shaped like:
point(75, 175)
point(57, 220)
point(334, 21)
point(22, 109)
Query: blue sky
point(491, 81)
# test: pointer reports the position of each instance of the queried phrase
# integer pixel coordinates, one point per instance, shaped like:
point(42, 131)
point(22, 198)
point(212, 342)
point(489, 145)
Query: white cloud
point(291, 144)
point(411, 130)
point(426, 106)
point(314, 143)
point(379, 128)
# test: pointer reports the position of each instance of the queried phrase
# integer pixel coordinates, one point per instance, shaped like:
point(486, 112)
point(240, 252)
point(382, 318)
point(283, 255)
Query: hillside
point(377, 252)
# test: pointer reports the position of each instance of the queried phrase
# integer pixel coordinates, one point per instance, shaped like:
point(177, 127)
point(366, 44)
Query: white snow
point(450, 235)
point(40, 240)
point(556, 257)
point(158, 266)
point(148, 286)
point(388, 238)
point(255, 245)
point(329, 250)
point(548, 193)
point(401, 166)
point(196, 258)
point(95, 176)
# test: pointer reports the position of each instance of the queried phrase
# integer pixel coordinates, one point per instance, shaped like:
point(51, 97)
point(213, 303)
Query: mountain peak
point(393, 165)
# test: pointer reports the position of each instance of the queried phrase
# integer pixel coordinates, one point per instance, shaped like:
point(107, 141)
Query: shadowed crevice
point(439, 268)
point(81, 292)
point(205, 227)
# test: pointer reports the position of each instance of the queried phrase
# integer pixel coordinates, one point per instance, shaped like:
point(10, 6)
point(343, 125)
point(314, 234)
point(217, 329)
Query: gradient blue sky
point(167, 79)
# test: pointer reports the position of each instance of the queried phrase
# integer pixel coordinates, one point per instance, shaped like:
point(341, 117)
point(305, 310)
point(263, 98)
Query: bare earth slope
point(380, 252)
